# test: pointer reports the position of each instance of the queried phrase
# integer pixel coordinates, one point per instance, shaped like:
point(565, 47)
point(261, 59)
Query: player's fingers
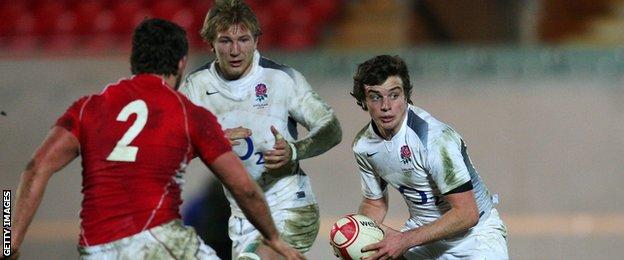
point(236, 129)
point(270, 165)
point(234, 143)
point(377, 255)
point(274, 166)
point(371, 257)
point(276, 133)
point(281, 152)
point(271, 159)
point(370, 247)
point(274, 160)
point(238, 134)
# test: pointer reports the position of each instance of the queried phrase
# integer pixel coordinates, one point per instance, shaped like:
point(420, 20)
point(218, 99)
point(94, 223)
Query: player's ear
point(212, 48)
point(182, 65)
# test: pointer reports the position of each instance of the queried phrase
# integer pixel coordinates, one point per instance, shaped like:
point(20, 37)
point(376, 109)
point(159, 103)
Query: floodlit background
point(534, 87)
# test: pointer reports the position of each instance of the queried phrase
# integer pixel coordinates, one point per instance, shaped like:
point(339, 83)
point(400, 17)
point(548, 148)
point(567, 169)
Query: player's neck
point(170, 80)
point(387, 134)
point(227, 77)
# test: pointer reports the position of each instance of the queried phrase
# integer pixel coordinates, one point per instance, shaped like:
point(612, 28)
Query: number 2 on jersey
point(123, 152)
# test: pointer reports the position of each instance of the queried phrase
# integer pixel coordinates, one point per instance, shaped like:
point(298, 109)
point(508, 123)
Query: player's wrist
point(293, 151)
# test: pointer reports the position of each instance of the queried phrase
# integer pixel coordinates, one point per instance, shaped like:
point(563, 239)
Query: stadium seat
point(165, 9)
point(47, 16)
point(104, 24)
point(269, 35)
point(92, 17)
point(324, 9)
point(11, 14)
point(127, 14)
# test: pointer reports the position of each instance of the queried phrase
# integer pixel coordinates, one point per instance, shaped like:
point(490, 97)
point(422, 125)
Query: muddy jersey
point(423, 161)
point(136, 138)
point(270, 94)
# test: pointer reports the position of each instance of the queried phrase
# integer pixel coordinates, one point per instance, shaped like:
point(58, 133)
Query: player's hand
point(393, 246)
point(280, 155)
point(284, 249)
point(234, 134)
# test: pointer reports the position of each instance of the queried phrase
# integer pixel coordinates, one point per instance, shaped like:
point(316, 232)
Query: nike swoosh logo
point(370, 154)
point(211, 93)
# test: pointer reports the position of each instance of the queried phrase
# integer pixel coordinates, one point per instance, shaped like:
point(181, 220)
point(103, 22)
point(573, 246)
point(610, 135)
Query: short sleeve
point(71, 119)
point(373, 187)
point(207, 137)
point(446, 162)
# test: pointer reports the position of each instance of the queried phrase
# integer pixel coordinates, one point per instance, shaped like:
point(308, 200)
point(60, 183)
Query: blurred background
point(534, 87)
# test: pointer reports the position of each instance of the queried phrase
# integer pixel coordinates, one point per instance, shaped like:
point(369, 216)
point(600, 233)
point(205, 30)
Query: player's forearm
point(374, 209)
point(256, 210)
point(229, 169)
point(451, 223)
point(29, 195)
point(319, 140)
point(58, 149)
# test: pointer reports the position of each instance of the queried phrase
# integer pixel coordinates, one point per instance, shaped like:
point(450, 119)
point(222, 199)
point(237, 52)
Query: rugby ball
point(351, 233)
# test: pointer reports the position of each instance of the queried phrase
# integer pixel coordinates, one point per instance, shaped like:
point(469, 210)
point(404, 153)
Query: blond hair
point(226, 13)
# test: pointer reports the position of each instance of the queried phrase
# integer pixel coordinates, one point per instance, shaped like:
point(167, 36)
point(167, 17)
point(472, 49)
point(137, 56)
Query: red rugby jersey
point(136, 138)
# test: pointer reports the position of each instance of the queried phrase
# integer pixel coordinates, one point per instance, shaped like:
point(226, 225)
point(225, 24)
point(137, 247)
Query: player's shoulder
point(271, 66)
point(363, 139)
point(424, 125)
point(79, 103)
point(431, 131)
point(200, 72)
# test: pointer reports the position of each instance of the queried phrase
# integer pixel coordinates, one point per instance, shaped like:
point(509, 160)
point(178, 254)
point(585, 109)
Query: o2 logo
point(250, 152)
point(407, 190)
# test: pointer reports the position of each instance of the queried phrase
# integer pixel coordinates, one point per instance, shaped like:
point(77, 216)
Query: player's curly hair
point(375, 71)
point(157, 47)
point(226, 13)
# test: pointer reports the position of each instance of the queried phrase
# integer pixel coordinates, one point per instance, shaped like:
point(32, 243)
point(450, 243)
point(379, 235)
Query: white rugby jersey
point(270, 94)
point(423, 161)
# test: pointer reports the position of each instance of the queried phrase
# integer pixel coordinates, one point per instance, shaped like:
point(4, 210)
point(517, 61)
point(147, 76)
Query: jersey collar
point(239, 88)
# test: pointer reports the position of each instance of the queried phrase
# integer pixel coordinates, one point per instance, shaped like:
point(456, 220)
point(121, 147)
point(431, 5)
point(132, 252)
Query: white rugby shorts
point(297, 226)
point(172, 240)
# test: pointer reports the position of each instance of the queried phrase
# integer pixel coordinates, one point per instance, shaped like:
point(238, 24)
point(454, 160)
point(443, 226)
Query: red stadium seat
point(103, 24)
point(199, 8)
point(22, 44)
point(269, 34)
point(257, 5)
point(324, 9)
point(165, 9)
point(99, 43)
point(295, 41)
point(281, 10)
point(11, 14)
point(126, 15)
point(47, 16)
point(183, 17)
point(92, 17)
point(59, 43)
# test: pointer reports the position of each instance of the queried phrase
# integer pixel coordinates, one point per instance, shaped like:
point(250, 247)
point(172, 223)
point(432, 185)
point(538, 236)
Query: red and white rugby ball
point(351, 233)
